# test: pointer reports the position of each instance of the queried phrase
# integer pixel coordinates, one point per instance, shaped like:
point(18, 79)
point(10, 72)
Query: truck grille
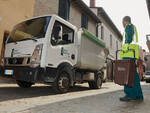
point(17, 61)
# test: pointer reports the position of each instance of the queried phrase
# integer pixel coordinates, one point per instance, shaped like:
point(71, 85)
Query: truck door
point(62, 47)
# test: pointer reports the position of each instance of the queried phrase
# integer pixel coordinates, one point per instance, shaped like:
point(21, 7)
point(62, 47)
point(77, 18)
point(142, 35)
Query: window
point(64, 9)
point(97, 30)
point(102, 32)
point(111, 41)
point(116, 45)
point(61, 34)
point(84, 21)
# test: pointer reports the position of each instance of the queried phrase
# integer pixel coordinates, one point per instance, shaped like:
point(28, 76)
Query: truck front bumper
point(23, 73)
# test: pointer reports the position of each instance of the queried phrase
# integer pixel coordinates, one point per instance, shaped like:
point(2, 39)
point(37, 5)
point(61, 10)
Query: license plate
point(8, 72)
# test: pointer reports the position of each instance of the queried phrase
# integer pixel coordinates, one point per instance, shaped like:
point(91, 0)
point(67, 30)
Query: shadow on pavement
point(15, 92)
point(102, 103)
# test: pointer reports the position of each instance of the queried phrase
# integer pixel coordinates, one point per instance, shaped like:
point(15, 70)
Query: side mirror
point(106, 61)
point(58, 32)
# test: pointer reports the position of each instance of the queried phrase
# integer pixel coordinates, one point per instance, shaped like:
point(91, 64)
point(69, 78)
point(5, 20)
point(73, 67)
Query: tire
point(24, 84)
point(97, 84)
point(63, 81)
point(91, 84)
point(147, 81)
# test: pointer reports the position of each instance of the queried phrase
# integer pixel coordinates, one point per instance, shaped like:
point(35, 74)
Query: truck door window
point(61, 34)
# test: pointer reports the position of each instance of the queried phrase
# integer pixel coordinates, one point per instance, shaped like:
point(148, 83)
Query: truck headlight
point(36, 56)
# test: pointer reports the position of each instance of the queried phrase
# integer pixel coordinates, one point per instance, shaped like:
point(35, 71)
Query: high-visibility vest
point(128, 50)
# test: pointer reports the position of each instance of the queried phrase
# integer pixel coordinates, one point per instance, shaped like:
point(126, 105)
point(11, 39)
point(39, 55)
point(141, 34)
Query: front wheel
point(24, 84)
point(97, 84)
point(62, 83)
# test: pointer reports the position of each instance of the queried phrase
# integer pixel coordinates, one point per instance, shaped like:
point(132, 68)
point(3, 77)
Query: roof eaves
point(109, 21)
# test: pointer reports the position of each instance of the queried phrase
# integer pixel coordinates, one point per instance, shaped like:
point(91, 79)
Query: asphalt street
point(101, 103)
point(42, 99)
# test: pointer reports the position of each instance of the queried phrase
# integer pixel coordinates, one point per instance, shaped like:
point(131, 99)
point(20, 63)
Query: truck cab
point(32, 42)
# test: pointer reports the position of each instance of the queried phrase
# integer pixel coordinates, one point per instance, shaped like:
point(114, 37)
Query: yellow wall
point(12, 12)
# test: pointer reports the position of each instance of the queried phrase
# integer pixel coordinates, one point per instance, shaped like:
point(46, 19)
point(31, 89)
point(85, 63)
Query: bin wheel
point(62, 83)
point(24, 84)
point(97, 84)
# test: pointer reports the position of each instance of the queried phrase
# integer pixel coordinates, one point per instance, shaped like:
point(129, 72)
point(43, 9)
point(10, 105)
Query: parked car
point(147, 77)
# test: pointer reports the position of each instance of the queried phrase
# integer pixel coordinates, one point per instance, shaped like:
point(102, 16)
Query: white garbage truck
point(50, 50)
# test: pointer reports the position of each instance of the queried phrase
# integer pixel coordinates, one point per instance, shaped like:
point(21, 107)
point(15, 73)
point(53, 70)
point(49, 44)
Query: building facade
point(74, 11)
point(148, 36)
point(108, 32)
point(79, 14)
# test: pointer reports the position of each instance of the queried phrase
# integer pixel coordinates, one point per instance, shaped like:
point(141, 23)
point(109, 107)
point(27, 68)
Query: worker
point(135, 92)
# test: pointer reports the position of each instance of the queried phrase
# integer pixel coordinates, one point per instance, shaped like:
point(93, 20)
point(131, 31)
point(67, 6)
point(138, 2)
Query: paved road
point(42, 99)
point(101, 103)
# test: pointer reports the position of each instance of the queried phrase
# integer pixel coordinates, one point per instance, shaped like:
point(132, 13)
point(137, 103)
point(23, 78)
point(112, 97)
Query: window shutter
point(64, 9)
point(97, 30)
point(102, 32)
point(84, 21)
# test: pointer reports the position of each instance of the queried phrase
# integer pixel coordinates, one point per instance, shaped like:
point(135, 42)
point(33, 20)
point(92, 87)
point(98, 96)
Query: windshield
point(34, 28)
